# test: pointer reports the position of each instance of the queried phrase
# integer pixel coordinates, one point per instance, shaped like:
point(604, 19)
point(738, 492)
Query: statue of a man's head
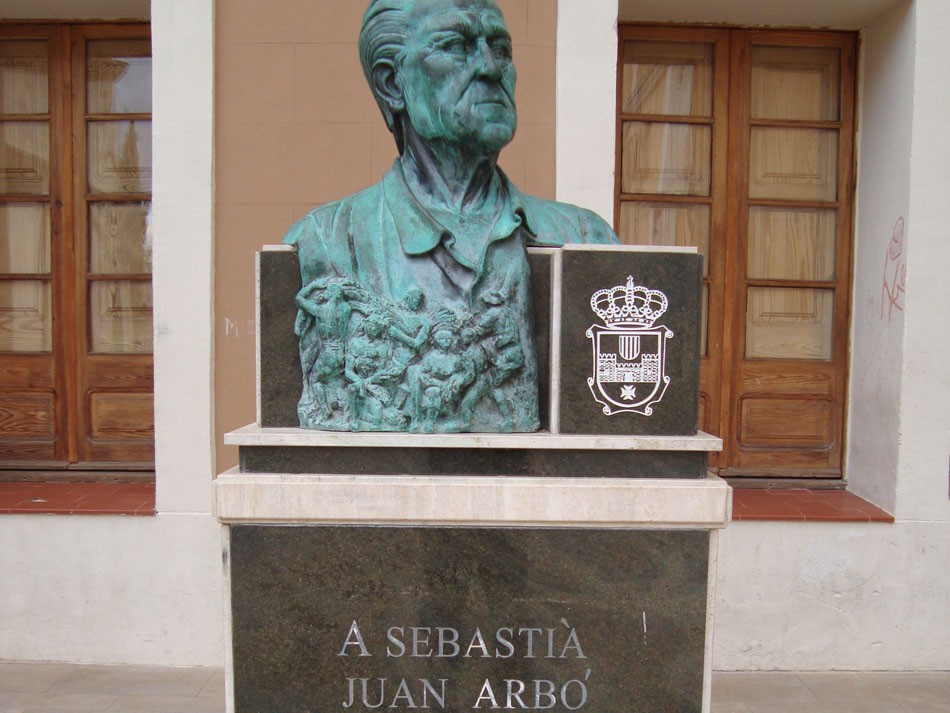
point(443, 66)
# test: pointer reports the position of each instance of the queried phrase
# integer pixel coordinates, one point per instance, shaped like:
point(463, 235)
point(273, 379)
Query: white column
point(182, 229)
point(925, 387)
point(586, 101)
point(883, 222)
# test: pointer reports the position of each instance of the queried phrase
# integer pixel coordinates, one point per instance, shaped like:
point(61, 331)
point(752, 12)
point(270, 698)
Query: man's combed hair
point(383, 37)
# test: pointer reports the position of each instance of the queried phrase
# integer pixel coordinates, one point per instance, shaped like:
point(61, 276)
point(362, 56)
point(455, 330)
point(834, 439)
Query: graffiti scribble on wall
point(895, 273)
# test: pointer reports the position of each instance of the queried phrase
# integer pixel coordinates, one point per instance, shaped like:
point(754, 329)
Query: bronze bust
point(415, 311)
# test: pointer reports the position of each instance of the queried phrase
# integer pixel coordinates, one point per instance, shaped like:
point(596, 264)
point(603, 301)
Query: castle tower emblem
point(629, 373)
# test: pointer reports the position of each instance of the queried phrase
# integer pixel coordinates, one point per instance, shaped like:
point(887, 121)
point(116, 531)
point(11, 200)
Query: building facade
point(259, 112)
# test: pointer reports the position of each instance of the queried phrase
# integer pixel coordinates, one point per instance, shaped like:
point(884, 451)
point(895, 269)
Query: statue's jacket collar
point(420, 232)
point(379, 234)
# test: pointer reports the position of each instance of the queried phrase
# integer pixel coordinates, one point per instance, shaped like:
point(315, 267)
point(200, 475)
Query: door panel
point(789, 323)
point(121, 426)
point(28, 408)
point(766, 377)
point(786, 422)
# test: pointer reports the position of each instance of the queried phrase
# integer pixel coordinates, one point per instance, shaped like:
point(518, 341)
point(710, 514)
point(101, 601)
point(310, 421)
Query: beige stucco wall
point(296, 126)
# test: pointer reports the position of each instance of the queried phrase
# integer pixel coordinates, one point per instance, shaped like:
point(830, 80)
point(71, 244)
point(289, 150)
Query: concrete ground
point(66, 688)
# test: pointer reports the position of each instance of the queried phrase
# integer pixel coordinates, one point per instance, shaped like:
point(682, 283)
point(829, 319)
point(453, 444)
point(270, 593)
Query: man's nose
point(487, 64)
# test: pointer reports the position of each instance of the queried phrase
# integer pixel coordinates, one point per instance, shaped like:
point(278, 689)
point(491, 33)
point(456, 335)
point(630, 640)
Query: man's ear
point(387, 87)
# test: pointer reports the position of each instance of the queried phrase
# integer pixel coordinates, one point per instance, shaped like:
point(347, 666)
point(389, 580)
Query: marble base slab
point(461, 619)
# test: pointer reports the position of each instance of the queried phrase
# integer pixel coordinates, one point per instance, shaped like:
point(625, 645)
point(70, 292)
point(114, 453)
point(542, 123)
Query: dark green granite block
point(462, 619)
point(630, 366)
point(564, 463)
point(279, 359)
point(540, 262)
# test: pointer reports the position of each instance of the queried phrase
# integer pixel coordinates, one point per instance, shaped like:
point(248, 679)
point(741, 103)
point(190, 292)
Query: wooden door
point(75, 282)
point(791, 211)
point(740, 143)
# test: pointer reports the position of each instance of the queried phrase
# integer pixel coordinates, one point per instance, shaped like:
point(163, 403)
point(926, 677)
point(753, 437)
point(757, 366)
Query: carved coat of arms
point(629, 373)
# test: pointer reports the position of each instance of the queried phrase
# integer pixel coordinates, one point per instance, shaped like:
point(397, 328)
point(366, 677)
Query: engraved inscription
point(557, 644)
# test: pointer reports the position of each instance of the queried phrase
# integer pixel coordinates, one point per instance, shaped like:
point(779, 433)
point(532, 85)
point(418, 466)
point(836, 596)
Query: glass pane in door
point(792, 243)
point(119, 77)
point(24, 83)
point(25, 316)
point(24, 238)
point(796, 83)
point(120, 156)
point(120, 313)
point(670, 224)
point(793, 164)
point(789, 323)
point(664, 158)
point(667, 78)
point(117, 239)
point(24, 157)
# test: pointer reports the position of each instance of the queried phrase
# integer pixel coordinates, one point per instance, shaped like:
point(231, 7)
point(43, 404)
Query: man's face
point(457, 76)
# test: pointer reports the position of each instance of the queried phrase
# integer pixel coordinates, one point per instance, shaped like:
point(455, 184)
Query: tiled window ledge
point(24, 498)
point(804, 505)
point(772, 504)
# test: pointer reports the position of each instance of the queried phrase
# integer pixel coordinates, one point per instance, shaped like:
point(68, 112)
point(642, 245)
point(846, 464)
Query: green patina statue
point(415, 311)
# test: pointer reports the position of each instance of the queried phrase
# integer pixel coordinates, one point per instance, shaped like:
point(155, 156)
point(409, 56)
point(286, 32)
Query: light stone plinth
point(472, 501)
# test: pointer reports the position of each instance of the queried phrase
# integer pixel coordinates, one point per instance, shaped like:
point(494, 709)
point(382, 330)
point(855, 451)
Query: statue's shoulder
point(555, 223)
point(337, 218)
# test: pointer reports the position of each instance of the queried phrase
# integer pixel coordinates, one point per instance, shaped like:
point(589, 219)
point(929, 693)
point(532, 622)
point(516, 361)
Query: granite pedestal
point(562, 570)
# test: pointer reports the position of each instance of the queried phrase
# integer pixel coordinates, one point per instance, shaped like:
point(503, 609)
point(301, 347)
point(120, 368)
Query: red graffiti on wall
point(895, 273)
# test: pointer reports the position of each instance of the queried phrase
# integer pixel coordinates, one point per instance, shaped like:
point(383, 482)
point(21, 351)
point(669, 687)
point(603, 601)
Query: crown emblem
point(629, 305)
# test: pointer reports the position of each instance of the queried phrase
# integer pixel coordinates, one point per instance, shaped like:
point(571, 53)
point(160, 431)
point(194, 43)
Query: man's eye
point(501, 50)
point(457, 46)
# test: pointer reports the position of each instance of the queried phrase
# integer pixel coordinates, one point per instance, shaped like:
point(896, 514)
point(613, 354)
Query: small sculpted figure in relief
point(415, 311)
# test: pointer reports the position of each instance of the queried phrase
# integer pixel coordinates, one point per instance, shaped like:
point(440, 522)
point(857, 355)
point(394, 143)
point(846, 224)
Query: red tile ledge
point(19, 498)
point(804, 505)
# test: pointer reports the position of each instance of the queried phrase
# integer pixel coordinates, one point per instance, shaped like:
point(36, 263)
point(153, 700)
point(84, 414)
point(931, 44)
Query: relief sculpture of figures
point(415, 311)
